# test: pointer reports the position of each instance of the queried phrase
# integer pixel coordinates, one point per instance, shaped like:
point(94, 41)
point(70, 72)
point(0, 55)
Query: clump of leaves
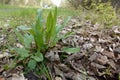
point(106, 14)
point(42, 35)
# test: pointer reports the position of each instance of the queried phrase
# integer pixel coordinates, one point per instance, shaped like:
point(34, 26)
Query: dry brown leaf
point(98, 66)
point(116, 51)
point(93, 57)
point(112, 64)
point(102, 59)
point(99, 49)
point(103, 41)
point(4, 54)
point(58, 78)
point(52, 56)
point(69, 75)
point(64, 68)
point(108, 54)
point(80, 76)
point(87, 46)
point(17, 77)
point(117, 30)
point(59, 72)
point(2, 78)
point(19, 45)
point(75, 56)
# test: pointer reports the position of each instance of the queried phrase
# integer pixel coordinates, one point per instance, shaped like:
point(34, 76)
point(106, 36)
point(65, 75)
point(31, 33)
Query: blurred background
point(104, 12)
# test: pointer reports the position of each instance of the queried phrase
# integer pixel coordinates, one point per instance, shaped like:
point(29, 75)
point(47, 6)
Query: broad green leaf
point(71, 50)
point(39, 21)
point(54, 34)
point(23, 28)
point(38, 57)
point(28, 40)
point(20, 37)
point(38, 31)
point(22, 52)
point(21, 58)
point(32, 64)
point(39, 39)
point(55, 16)
point(49, 28)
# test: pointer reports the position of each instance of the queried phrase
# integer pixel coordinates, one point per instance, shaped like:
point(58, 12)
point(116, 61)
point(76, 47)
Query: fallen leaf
point(99, 49)
point(58, 78)
point(98, 66)
point(2, 78)
point(87, 46)
point(102, 59)
point(19, 45)
point(75, 56)
point(112, 64)
point(93, 57)
point(116, 30)
point(4, 54)
point(80, 76)
point(69, 75)
point(108, 54)
point(64, 68)
point(59, 72)
point(17, 77)
point(52, 56)
point(116, 51)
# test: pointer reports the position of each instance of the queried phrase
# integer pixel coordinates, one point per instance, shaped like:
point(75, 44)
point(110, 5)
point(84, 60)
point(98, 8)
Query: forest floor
point(98, 58)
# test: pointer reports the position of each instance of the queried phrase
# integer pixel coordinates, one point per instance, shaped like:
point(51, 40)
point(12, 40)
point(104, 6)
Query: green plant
point(71, 50)
point(42, 35)
point(106, 14)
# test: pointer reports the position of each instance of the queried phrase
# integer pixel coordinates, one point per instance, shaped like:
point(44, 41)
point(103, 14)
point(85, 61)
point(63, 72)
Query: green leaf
point(28, 40)
point(23, 28)
point(22, 52)
point(32, 64)
point(71, 50)
point(54, 34)
point(60, 27)
point(68, 34)
point(38, 31)
point(49, 27)
point(45, 71)
point(38, 57)
point(65, 35)
point(55, 17)
point(45, 35)
point(20, 37)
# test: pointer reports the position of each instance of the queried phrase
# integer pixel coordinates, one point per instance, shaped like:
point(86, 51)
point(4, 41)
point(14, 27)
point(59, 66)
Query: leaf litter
point(98, 58)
